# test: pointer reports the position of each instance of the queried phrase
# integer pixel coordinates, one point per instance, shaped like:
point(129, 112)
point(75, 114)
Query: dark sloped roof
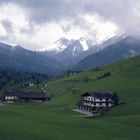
point(96, 94)
point(27, 94)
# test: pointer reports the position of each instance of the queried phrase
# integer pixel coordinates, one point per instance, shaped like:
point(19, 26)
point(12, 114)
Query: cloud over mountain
point(38, 23)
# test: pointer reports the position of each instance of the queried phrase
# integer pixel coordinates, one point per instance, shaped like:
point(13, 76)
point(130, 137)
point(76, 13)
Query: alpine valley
point(69, 70)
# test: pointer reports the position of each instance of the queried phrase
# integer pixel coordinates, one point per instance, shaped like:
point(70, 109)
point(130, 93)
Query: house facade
point(25, 97)
point(93, 101)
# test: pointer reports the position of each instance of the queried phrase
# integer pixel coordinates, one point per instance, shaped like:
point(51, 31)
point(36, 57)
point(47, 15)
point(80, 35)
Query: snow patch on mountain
point(57, 46)
point(63, 43)
point(84, 44)
point(67, 49)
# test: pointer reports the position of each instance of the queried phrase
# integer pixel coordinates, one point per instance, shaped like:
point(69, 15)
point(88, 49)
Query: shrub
point(75, 90)
point(100, 76)
point(86, 79)
point(116, 98)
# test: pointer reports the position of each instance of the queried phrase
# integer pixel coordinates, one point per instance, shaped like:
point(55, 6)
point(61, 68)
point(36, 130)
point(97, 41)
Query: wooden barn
point(25, 97)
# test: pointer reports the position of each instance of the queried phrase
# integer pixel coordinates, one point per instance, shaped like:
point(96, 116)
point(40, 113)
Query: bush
point(100, 76)
point(86, 79)
point(75, 90)
point(107, 74)
point(116, 98)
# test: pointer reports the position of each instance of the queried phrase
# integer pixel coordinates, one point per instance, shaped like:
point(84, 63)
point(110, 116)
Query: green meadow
point(55, 120)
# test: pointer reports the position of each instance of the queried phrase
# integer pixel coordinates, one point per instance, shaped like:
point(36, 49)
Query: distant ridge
point(128, 47)
point(21, 59)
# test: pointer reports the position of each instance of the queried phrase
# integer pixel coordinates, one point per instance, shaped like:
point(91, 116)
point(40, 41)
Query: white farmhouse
point(93, 101)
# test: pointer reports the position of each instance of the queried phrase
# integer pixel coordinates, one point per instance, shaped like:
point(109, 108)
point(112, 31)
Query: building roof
point(96, 94)
point(27, 94)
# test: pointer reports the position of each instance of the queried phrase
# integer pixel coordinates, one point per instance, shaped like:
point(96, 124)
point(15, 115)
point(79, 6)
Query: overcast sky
point(37, 24)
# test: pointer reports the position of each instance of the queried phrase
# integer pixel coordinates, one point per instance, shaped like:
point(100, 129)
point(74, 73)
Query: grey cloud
point(66, 28)
point(7, 25)
point(122, 12)
point(46, 10)
point(125, 13)
point(8, 28)
point(28, 29)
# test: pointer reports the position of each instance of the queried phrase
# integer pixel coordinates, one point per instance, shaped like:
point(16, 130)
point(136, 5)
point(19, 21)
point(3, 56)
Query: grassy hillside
point(124, 79)
point(55, 120)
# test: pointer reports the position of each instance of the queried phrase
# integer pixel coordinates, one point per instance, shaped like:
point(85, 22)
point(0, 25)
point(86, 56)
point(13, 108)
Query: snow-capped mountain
point(127, 47)
point(76, 47)
point(56, 47)
point(69, 53)
point(63, 43)
point(66, 50)
point(72, 51)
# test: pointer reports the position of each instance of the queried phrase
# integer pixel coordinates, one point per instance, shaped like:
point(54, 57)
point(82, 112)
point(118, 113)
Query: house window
point(100, 103)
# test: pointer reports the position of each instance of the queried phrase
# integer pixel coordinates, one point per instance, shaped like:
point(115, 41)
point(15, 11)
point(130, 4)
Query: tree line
point(13, 77)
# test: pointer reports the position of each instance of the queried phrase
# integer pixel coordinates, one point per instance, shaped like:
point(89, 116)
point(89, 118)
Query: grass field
point(54, 120)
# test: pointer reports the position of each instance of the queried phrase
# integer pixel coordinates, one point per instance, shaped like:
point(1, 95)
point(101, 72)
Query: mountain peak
point(76, 49)
point(63, 43)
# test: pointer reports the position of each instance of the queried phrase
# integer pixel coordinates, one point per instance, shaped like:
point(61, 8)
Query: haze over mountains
point(67, 54)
